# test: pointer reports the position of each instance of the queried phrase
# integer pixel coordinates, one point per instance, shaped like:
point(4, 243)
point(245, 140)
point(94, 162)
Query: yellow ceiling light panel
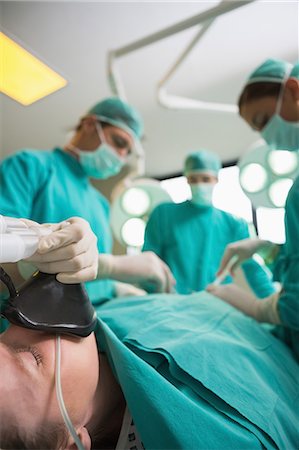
point(23, 76)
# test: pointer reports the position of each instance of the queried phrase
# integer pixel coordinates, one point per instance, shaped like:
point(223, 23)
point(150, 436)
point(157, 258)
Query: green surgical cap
point(272, 70)
point(202, 161)
point(295, 71)
point(120, 114)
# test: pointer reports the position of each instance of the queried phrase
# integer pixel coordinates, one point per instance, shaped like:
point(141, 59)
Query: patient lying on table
point(190, 371)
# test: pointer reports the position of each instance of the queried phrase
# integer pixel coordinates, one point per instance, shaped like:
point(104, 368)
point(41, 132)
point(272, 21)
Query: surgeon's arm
point(243, 249)
point(262, 310)
point(146, 269)
point(21, 175)
point(258, 278)
point(288, 304)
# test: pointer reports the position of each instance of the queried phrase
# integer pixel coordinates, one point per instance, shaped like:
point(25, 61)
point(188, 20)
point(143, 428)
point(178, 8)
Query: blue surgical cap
point(272, 70)
point(120, 114)
point(202, 161)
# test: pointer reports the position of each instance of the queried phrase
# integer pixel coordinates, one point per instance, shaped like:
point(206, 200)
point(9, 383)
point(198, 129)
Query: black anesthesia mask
point(45, 304)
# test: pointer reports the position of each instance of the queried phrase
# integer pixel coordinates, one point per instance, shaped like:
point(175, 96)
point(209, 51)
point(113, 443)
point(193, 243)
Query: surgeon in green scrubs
point(269, 103)
point(191, 371)
point(53, 185)
point(191, 236)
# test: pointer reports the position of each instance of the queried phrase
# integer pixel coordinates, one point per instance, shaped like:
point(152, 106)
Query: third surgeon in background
point(51, 186)
point(191, 236)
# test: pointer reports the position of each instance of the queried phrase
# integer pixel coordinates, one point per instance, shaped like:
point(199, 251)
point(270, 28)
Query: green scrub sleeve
point(20, 176)
point(288, 304)
point(153, 238)
point(257, 277)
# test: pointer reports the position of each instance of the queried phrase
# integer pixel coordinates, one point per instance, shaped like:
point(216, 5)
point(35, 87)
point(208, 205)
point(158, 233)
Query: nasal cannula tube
point(59, 395)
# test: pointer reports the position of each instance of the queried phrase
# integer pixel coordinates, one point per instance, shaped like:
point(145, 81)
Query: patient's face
point(27, 376)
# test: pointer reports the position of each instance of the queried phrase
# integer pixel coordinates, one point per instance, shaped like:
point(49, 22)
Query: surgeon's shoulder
point(164, 209)
point(231, 219)
point(30, 157)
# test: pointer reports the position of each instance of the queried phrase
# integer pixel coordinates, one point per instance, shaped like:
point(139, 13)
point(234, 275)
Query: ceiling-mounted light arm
point(203, 17)
point(117, 87)
point(185, 53)
point(178, 102)
point(116, 84)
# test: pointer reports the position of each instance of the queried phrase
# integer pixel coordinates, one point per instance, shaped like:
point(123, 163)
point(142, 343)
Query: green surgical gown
point(288, 304)
point(192, 240)
point(50, 186)
point(199, 375)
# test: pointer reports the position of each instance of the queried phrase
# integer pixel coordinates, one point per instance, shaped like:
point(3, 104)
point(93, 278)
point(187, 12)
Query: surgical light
point(278, 191)
point(132, 232)
point(136, 201)
point(132, 204)
point(283, 162)
point(266, 175)
point(24, 77)
point(253, 177)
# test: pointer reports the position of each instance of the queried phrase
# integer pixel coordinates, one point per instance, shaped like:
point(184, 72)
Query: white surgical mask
point(279, 133)
point(103, 162)
point(202, 193)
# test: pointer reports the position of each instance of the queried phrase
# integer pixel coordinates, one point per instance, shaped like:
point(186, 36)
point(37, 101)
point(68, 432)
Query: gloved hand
point(126, 289)
point(146, 269)
point(244, 249)
point(262, 310)
point(69, 251)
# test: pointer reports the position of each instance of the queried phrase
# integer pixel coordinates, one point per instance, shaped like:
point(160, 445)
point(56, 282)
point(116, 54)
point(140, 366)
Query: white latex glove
point(126, 289)
point(244, 249)
point(262, 310)
point(146, 269)
point(69, 251)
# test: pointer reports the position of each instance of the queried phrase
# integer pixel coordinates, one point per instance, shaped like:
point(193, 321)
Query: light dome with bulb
point(266, 175)
point(131, 208)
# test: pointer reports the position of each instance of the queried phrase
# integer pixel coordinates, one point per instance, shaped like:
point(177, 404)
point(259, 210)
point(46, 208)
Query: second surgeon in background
point(191, 236)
